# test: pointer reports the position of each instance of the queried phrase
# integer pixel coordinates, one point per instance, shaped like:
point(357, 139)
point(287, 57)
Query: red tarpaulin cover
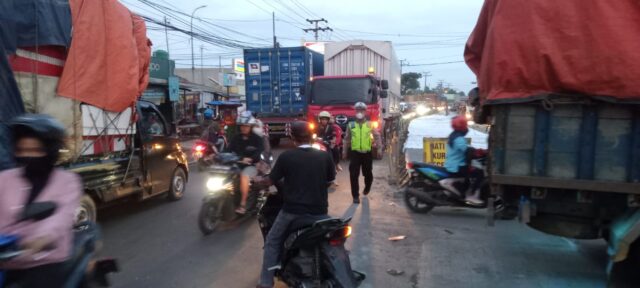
point(107, 63)
point(519, 49)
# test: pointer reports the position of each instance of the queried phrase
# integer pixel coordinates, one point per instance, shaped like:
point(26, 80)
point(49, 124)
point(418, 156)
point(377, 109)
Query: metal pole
point(193, 65)
point(202, 65)
point(273, 18)
point(166, 34)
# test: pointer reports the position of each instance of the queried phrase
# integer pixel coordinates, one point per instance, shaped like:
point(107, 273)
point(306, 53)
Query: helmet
point(459, 123)
point(44, 127)
point(300, 130)
point(324, 114)
point(360, 106)
point(246, 121)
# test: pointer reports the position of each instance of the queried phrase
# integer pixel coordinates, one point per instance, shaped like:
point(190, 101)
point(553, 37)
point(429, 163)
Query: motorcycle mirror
point(38, 211)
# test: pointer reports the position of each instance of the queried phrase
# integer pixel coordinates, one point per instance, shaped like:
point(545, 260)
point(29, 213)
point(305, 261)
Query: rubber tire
point(89, 205)
point(204, 217)
point(274, 142)
point(415, 209)
point(173, 195)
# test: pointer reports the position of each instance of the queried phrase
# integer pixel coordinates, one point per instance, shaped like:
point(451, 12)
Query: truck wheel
point(416, 205)
point(86, 211)
point(178, 184)
point(208, 219)
point(274, 142)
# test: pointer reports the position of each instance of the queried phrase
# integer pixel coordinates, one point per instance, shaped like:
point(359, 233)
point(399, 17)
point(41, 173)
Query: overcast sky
point(423, 31)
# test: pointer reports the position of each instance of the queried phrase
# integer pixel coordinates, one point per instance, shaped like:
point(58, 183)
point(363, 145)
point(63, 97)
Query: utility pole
point(273, 19)
point(193, 65)
point(425, 75)
point(166, 33)
point(202, 64)
point(316, 29)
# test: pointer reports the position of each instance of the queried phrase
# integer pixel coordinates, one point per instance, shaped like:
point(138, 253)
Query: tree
point(410, 81)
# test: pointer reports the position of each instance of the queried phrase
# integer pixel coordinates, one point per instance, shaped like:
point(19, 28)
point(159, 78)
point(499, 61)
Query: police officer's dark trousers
point(359, 161)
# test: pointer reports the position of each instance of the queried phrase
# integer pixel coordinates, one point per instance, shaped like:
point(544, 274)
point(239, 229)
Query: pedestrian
point(359, 143)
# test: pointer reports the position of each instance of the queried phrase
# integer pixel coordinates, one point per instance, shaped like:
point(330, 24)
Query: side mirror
point(38, 211)
point(384, 84)
point(384, 94)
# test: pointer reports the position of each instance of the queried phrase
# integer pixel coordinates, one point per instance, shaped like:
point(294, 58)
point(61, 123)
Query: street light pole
point(193, 65)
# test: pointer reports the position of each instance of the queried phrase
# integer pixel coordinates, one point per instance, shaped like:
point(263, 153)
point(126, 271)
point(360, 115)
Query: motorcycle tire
point(208, 218)
point(416, 205)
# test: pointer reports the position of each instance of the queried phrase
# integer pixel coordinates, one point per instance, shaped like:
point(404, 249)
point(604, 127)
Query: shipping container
point(356, 57)
point(276, 79)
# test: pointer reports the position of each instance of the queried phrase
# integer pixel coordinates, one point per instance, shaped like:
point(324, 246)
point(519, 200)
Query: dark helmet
point(44, 127)
point(300, 130)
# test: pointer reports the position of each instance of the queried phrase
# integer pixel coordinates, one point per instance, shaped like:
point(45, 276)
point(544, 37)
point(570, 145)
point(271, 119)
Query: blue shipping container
point(275, 81)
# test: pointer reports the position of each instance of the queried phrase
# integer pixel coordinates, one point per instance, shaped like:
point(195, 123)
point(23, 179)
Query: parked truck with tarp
point(558, 83)
point(120, 146)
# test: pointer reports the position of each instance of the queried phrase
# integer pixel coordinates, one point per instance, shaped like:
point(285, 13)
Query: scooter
point(313, 254)
point(222, 193)
point(431, 186)
point(203, 153)
point(83, 271)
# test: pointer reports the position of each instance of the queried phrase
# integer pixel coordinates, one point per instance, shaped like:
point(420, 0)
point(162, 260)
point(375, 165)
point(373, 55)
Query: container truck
point(357, 71)
point(276, 80)
point(121, 147)
point(563, 103)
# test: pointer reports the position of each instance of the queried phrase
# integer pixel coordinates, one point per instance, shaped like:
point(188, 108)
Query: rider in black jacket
point(248, 146)
point(307, 173)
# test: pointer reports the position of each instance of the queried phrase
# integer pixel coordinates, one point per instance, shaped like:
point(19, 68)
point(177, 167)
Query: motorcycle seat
point(305, 221)
point(434, 171)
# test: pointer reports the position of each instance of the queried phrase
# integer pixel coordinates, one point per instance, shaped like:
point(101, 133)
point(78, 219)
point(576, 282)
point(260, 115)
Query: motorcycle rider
point(213, 137)
point(248, 146)
point(456, 161)
point(307, 174)
point(327, 132)
point(48, 244)
point(338, 148)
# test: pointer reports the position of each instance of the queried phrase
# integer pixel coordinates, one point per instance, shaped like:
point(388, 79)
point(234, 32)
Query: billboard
point(435, 150)
point(238, 68)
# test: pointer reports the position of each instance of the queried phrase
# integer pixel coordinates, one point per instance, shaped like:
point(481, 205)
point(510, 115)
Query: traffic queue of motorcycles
point(313, 254)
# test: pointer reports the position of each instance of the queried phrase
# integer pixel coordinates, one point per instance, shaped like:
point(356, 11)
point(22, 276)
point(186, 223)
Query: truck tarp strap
point(624, 231)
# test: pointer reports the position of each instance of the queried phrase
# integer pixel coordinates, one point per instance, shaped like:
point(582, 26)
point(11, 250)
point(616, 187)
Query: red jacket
point(338, 132)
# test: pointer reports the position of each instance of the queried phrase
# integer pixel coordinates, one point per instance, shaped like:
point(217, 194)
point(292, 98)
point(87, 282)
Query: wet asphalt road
point(158, 244)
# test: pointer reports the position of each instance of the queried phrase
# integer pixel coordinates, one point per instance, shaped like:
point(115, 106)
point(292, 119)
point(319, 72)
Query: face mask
point(35, 166)
point(360, 115)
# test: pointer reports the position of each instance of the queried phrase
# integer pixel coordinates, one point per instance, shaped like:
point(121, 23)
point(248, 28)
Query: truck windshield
point(341, 91)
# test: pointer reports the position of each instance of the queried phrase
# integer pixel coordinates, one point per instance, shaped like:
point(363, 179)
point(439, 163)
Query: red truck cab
point(338, 94)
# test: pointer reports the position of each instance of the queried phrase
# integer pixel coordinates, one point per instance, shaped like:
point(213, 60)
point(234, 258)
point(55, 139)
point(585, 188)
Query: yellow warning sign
point(435, 150)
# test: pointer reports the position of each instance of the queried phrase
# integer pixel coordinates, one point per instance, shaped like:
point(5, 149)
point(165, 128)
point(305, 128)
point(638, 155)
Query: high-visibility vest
point(361, 136)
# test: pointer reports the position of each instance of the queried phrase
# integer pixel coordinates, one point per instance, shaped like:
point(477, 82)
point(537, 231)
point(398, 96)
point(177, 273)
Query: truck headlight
point(215, 183)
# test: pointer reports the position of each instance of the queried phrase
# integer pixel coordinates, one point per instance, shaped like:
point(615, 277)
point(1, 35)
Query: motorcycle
point(431, 186)
point(223, 195)
point(82, 271)
point(313, 254)
point(203, 153)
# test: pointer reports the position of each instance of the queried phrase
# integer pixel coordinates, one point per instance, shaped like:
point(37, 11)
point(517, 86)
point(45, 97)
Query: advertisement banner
point(435, 150)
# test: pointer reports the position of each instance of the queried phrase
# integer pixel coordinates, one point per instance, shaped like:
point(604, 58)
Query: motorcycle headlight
point(215, 183)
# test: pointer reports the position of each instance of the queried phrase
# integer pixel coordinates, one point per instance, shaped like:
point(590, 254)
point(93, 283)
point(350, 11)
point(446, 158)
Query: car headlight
point(215, 184)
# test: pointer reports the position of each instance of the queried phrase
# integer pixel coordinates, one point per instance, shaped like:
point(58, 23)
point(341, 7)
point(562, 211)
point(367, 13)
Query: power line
point(432, 64)
point(316, 29)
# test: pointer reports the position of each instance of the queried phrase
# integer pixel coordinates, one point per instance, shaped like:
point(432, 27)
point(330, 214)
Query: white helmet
point(246, 121)
point(360, 106)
